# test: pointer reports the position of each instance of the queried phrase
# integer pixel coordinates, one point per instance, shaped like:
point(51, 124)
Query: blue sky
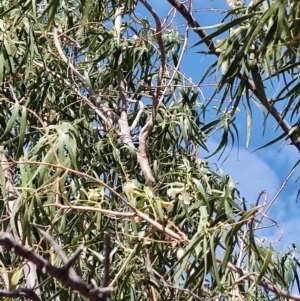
point(253, 172)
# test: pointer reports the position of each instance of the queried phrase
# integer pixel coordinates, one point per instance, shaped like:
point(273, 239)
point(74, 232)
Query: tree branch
point(148, 127)
point(92, 209)
point(62, 274)
point(22, 292)
point(60, 252)
point(90, 90)
point(265, 282)
point(180, 236)
point(182, 9)
point(12, 194)
point(138, 115)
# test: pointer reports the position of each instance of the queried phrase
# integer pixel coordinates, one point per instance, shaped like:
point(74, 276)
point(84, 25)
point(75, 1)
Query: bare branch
point(22, 292)
point(92, 209)
point(138, 115)
point(68, 279)
point(281, 188)
point(73, 259)
point(68, 262)
point(147, 129)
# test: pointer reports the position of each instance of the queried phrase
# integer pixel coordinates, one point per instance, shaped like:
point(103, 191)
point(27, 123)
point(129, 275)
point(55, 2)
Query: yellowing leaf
point(16, 278)
point(167, 205)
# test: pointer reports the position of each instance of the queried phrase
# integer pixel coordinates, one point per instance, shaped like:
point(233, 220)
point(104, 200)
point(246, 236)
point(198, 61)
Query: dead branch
point(59, 251)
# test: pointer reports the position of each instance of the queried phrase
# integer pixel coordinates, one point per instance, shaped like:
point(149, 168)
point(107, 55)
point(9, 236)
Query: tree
point(105, 193)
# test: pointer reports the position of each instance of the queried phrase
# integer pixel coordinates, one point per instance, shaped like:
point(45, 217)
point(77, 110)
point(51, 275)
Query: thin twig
point(92, 209)
point(280, 189)
point(90, 90)
point(265, 282)
point(178, 237)
point(105, 282)
point(123, 267)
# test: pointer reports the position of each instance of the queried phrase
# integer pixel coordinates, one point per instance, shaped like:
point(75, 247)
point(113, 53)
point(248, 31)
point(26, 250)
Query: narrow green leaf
point(23, 124)
point(11, 121)
point(266, 262)
point(226, 27)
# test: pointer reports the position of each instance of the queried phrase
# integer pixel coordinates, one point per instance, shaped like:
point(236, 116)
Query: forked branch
point(148, 127)
point(65, 274)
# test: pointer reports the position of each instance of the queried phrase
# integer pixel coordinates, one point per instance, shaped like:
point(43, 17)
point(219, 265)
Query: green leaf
point(266, 262)
point(11, 121)
point(22, 132)
point(225, 27)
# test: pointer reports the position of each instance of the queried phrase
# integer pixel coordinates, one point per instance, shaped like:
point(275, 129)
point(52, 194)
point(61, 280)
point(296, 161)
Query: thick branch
point(123, 120)
point(148, 127)
point(22, 292)
point(62, 274)
point(125, 130)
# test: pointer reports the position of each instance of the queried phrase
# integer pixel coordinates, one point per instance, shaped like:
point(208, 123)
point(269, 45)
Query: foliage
point(261, 50)
point(102, 133)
